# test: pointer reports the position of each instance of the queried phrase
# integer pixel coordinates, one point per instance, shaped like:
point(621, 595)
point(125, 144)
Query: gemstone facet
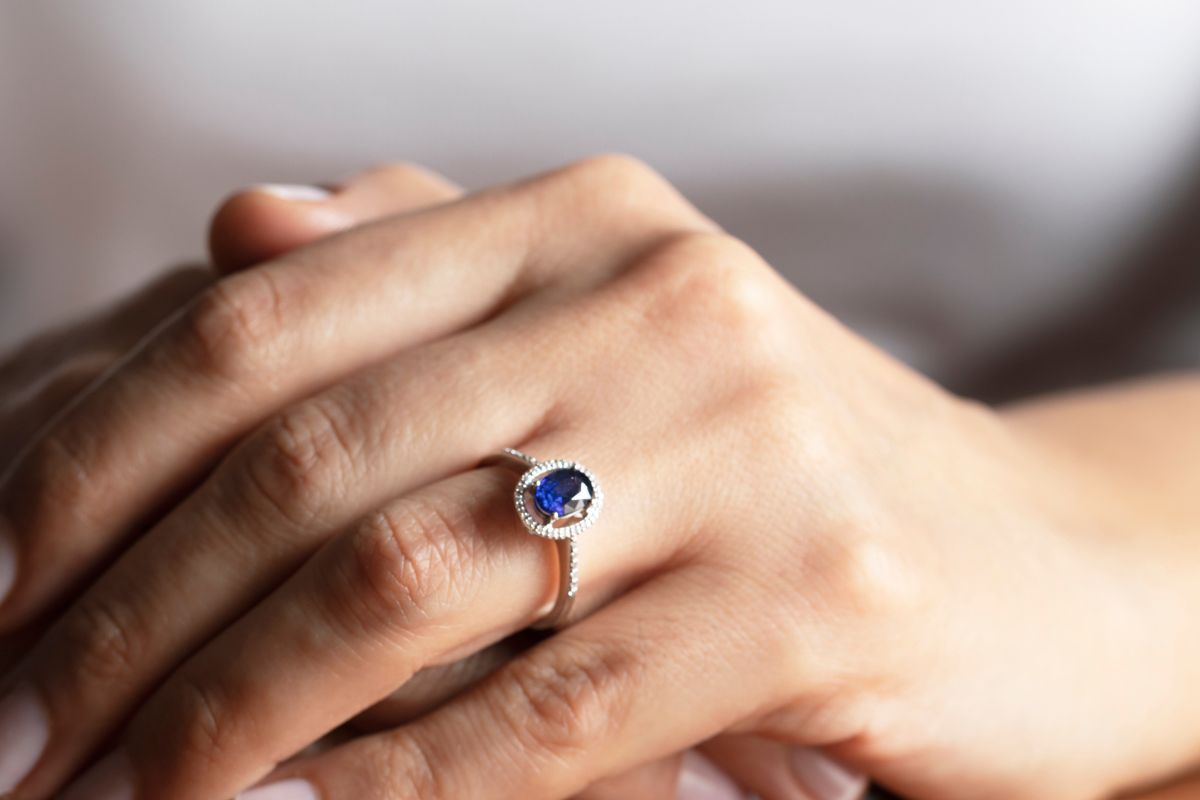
point(563, 492)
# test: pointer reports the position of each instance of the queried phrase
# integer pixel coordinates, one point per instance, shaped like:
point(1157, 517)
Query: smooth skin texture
point(252, 226)
point(39, 378)
point(258, 224)
point(915, 564)
point(252, 222)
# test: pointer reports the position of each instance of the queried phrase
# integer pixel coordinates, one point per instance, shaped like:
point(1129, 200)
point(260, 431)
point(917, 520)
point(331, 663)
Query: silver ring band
point(557, 500)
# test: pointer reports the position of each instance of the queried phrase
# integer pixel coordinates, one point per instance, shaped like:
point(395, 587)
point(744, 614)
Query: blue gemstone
point(564, 492)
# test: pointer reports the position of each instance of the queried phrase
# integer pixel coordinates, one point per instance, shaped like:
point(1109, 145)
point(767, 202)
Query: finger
point(657, 780)
point(251, 226)
point(261, 338)
point(28, 413)
point(44, 376)
point(433, 686)
point(784, 771)
point(1184, 788)
point(276, 499)
point(114, 330)
point(589, 702)
point(263, 222)
point(442, 572)
point(701, 779)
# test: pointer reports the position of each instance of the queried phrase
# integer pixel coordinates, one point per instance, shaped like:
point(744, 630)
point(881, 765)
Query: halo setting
point(558, 499)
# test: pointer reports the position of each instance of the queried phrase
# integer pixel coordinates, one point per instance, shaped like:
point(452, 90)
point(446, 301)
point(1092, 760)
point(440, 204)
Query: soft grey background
point(944, 176)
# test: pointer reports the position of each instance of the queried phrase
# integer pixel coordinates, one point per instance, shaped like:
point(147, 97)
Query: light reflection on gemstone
point(565, 492)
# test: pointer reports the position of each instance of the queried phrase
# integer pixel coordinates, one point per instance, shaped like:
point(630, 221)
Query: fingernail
point(700, 779)
point(294, 191)
point(824, 778)
point(294, 789)
point(24, 731)
point(110, 779)
point(8, 560)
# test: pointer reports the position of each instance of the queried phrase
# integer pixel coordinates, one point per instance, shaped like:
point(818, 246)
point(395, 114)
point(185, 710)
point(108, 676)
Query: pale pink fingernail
point(824, 778)
point(24, 731)
point(110, 779)
point(294, 789)
point(8, 561)
point(700, 779)
point(294, 191)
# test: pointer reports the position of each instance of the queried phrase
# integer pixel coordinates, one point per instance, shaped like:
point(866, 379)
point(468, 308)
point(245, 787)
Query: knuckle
point(61, 479)
point(409, 558)
point(401, 767)
point(410, 174)
point(620, 186)
point(869, 578)
point(303, 460)
point(712, 279)
point(566, 700)
point(231, 328)
point(614, 169)
point(101, 642)
point(59, 474)
point(202, 723)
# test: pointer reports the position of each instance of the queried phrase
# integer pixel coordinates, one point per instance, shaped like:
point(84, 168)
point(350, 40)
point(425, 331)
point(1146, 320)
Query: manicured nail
point(294, 789)
point(24, 731)
point(8, 561)
point(824, 778)
point(110, 779)
point(294, 191)
point(700, 779)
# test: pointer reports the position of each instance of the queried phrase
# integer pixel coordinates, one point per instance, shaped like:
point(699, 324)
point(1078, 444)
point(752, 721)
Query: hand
point(892, 526)
point(252, 227)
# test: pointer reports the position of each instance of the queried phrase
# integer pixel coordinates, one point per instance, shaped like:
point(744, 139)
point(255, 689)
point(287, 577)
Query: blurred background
point(1002, 194)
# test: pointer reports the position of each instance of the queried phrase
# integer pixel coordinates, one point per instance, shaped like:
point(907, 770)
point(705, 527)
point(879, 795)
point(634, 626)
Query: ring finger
point(440, 572)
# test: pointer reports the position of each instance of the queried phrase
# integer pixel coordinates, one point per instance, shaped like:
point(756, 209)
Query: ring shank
point(559, 608)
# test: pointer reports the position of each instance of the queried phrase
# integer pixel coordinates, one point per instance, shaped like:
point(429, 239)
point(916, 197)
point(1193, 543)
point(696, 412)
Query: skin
point(253, 226)
point(916, 564)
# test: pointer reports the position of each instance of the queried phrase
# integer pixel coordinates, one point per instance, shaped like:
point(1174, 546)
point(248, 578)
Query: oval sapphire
point(564, 492)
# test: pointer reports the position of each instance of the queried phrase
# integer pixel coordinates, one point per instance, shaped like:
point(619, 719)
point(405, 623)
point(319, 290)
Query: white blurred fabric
point(939, 174)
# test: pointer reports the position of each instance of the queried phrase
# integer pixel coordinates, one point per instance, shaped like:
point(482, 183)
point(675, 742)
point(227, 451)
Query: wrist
point(1117, 502)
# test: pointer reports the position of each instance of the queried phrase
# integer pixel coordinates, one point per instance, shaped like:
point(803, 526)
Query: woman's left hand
point(801, 538)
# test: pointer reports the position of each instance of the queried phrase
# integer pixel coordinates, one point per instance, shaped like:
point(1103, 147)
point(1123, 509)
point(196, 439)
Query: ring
point(557, 500)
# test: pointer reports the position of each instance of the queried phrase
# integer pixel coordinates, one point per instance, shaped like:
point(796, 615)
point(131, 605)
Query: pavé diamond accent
point(579, 513)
